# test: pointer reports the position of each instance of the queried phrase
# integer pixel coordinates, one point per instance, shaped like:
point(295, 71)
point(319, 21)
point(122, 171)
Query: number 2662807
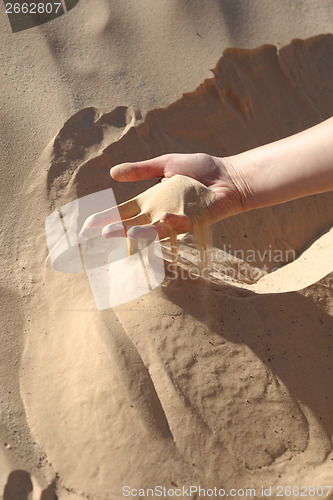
point(33, 8)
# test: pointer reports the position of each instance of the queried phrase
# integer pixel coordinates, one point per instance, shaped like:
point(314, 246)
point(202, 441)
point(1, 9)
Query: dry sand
point(223, 381)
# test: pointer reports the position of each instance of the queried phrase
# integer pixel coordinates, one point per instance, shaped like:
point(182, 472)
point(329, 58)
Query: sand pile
point(222, 381)
point(200, 381)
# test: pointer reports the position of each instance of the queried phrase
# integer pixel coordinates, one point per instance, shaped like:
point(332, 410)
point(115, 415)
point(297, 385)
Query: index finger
point(125, 210)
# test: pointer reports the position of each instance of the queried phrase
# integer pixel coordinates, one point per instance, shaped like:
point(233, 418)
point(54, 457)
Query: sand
point(179, 195)
point(219, 381)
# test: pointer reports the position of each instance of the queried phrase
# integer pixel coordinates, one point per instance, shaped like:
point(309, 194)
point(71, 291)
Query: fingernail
point(89, 222)
point(144, 232)
point(112, 229)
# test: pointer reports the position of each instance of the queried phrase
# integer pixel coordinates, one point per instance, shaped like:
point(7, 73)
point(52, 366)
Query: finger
point(180, 223)
point(163, 230)
point(148, 232)
point(141, 237)
point(124, 211)
point(116, 229)
point(140, 170)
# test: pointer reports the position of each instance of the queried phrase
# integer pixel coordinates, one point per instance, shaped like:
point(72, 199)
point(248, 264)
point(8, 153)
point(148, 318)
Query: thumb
point(139, 170)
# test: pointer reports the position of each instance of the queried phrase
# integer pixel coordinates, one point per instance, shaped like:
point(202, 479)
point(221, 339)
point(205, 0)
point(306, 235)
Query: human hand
point(192, 186)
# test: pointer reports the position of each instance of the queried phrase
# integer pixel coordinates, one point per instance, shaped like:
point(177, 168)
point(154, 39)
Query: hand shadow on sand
point(20, 487)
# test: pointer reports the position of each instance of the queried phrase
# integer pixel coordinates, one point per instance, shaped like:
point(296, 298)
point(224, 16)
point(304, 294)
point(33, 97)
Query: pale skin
point(281, 171)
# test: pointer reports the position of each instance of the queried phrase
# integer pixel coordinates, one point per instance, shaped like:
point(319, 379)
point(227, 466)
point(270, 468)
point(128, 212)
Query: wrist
point(293, 167)
point(242, 171)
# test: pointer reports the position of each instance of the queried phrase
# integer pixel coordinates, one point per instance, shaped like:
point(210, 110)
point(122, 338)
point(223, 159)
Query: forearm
point(293, 167)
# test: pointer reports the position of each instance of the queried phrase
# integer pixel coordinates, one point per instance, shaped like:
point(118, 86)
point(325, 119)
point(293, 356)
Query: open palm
point(213, 172)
